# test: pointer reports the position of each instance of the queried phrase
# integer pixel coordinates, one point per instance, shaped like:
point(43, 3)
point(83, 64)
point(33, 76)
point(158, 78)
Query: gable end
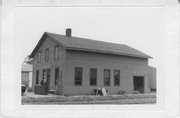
point(44, 36)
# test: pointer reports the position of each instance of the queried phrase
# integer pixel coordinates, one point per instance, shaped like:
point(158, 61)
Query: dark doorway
point(48, 78)
point(139, 84)
point(56, 76)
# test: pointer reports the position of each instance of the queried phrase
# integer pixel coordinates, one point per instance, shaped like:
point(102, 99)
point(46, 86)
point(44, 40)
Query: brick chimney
point(68, 32)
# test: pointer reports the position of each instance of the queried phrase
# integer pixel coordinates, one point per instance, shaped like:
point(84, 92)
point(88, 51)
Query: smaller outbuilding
point(26, 75)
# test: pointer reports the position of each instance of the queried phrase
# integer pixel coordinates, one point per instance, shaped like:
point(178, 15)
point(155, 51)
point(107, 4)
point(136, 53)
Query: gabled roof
point(84, 44)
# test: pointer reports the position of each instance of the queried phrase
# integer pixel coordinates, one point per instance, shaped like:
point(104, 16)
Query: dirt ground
point(31, 98)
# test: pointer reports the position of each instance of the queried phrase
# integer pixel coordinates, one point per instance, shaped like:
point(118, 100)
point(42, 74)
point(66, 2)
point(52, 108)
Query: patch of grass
point(90, 99)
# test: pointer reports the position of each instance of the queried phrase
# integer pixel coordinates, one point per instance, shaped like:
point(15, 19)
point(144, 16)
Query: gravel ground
point(31, 98)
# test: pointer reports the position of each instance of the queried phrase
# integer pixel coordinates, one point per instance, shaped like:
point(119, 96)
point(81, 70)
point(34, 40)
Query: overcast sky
point(139, 27)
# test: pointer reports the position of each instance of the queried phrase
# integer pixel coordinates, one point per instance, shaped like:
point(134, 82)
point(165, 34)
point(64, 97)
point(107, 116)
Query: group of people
point(100, 91)
point(43, 82)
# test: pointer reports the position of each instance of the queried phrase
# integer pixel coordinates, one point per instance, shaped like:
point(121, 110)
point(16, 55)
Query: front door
point(139, 83)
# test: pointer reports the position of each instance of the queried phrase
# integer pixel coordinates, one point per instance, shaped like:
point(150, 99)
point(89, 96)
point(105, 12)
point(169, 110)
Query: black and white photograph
point(63, 69)
point(93, 56)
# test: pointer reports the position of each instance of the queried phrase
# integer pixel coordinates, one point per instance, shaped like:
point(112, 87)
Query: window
point(39, 57)
point(48, 76)
point(37, 76)
point(56, 76)
point(47, 55)
point(44, 74)
point(93, 77)
point(106, 77)
point(116, 77)
point(60, 77)
point(56, 52)
point(78, 76)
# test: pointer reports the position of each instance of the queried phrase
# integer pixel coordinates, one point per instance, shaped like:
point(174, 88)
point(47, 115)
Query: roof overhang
point(107, 52)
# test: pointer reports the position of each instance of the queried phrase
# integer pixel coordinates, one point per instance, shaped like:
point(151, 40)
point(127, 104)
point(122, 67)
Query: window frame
point(109, 77)
point(37, 77)
point(81, 80)
point(90, 79)
point(57, 46)
point(44, 74)
point(39, 56)
point(116, 70)
point(47, 55)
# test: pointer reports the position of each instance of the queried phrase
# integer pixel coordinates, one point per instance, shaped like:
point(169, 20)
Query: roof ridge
point(87, 39)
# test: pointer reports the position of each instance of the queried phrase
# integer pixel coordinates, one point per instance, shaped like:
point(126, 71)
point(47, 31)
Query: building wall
point(25, 78)
point(51, 64)
point(128, 67)
point(30, 79)
point(152, 77)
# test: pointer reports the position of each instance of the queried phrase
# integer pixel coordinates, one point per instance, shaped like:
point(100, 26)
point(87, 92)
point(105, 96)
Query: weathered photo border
point(168, 89)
